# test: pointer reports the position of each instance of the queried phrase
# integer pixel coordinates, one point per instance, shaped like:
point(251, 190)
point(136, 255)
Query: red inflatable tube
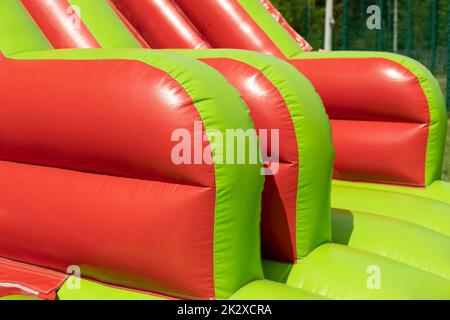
point(129, 26)
point(380, 118)
point(21, 279)
point(85, 153)
point(60, 23)
point(263, 99)
point(167, 25)
point(232, 27)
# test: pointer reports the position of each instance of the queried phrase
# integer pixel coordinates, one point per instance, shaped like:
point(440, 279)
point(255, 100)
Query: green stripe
point(18, 32)
point(422, 211)
point(276, 32)
point(270, 290)
point(105, 25)
point(402, 241)
point(313, 132)
point(16, 298)
point(237, 256)
point(438, 190)
point(89, 290)
point(434, 96)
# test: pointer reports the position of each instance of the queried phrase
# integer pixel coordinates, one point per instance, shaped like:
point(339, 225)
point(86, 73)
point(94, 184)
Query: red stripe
point(29, 278)
point(60, 23)
point(142, 235)
point(129, 26)
point(162, 24)
point(381, 152)
point(148, 235)
point(225, 24)
point(381, 118)
point(85, 104)
point(372, 89)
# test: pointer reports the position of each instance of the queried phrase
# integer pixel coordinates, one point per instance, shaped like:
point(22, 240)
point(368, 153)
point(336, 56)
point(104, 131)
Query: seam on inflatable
point(390, 191)
point(381, 121)
point(107, 174)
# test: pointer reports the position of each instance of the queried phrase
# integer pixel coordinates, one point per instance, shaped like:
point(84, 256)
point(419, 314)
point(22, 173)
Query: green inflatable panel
point(340, 272)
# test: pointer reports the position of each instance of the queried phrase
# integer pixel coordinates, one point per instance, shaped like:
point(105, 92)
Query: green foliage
point(446, 169)
point(306, 16)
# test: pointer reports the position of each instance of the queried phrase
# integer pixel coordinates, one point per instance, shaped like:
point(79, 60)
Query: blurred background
point(416, 28)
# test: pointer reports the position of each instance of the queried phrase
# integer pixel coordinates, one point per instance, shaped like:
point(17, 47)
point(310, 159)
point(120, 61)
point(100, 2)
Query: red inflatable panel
point(381, 152)
point(22, 279)
point(269, 111)
point(60, 23)
point(368, 89)
point(162, 24)
point(225, 24)
point(387, 140)
point(133, 218)
point(72, 218)
point(82, 132)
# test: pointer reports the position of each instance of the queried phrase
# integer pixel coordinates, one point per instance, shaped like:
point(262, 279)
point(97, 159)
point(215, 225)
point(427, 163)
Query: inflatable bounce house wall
point(93, 91)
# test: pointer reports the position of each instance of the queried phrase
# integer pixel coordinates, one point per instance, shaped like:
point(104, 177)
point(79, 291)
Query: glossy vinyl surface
point(273, 91)
point(90, 142)
point(388, 123)
point(129, 26)
point(149, 17)
point(82, 224)
point(211, 215)
point(60, 23)
point(343, 273)
point(409, 243)
point(217, 207)
point(18, 31)
point(281, 200)
point(106, 24)
point(225, 24)
point(22, 279)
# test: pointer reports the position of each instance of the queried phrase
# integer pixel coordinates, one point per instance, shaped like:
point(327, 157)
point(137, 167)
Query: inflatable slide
point(95, 207)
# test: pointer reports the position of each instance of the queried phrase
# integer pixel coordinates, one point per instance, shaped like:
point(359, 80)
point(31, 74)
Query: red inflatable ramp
point(21, 279)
